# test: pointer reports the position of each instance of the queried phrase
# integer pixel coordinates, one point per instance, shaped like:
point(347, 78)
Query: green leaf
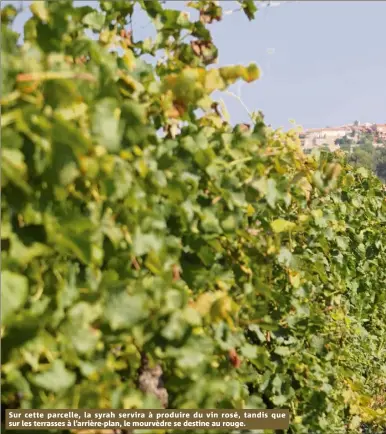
point(192, 317)
point(191, 358)
point(175, 328)
point(272, 193)
point(79, 245)
point(285, 257)
point(317, 342)
point(249, 351)
point(14, 168)
point(209, 222)
point(95, 20)
point(153, 263)
point(133, 113)
point(14, 293)
point(279, 400)
point(55, 379)
point(249, 8)
point(123, 310)
point(105, 124)
point(8, 14)
point(24, 255)
point(282, 351)
point(363, 172)
point(65, 132)
point(144, 243)
point(84, 339)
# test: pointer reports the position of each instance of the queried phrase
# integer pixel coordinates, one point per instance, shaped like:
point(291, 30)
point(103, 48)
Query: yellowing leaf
point(213, 81)
point(294, 278)
point(303, 218)
point(252, 73)
point(250, 210)
point(281, 225)
point(203, 303)
point(317, 213)
point(221, 308)
point(153, 263)
point(74, 111)
point(39, 9)
point(129, 60)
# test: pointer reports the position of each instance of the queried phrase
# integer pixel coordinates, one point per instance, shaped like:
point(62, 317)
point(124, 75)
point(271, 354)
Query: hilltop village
point(331, 136)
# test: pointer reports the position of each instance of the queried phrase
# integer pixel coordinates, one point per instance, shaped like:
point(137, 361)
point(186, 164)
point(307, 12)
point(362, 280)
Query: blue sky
point(323, 62)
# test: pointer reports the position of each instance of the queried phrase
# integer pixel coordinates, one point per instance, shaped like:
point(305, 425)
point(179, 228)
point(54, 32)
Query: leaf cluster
point(134, 222)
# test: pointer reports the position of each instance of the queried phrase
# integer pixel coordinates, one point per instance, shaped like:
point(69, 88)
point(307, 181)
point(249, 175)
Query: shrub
point(133, 225)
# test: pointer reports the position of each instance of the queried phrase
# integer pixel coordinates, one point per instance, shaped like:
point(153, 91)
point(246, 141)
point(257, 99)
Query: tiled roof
point(364, 127)
point(315, 130)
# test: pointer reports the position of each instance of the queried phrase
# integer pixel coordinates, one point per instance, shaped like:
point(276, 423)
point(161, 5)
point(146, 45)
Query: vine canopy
point(136, 218)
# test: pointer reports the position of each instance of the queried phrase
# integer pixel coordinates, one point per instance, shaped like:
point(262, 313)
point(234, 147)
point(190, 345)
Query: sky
point(323, 62)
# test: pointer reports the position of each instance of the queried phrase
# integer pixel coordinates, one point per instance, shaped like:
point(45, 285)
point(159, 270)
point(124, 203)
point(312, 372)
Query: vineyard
point(144, 237)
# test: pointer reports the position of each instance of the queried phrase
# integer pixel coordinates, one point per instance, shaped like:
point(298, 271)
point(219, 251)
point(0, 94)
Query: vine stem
point(228, 92)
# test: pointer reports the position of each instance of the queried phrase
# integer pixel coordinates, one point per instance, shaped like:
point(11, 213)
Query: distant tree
point(344, 143)
point(364, 154)
point(361, 158)
point(366, 140)
point(379, 165)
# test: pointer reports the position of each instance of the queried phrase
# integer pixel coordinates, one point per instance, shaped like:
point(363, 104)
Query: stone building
point(318, 137)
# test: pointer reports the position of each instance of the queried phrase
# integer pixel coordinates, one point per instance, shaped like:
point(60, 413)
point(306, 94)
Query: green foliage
point(380, 163)
point(131, 223)
point(362, 157)
point(363, 154)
